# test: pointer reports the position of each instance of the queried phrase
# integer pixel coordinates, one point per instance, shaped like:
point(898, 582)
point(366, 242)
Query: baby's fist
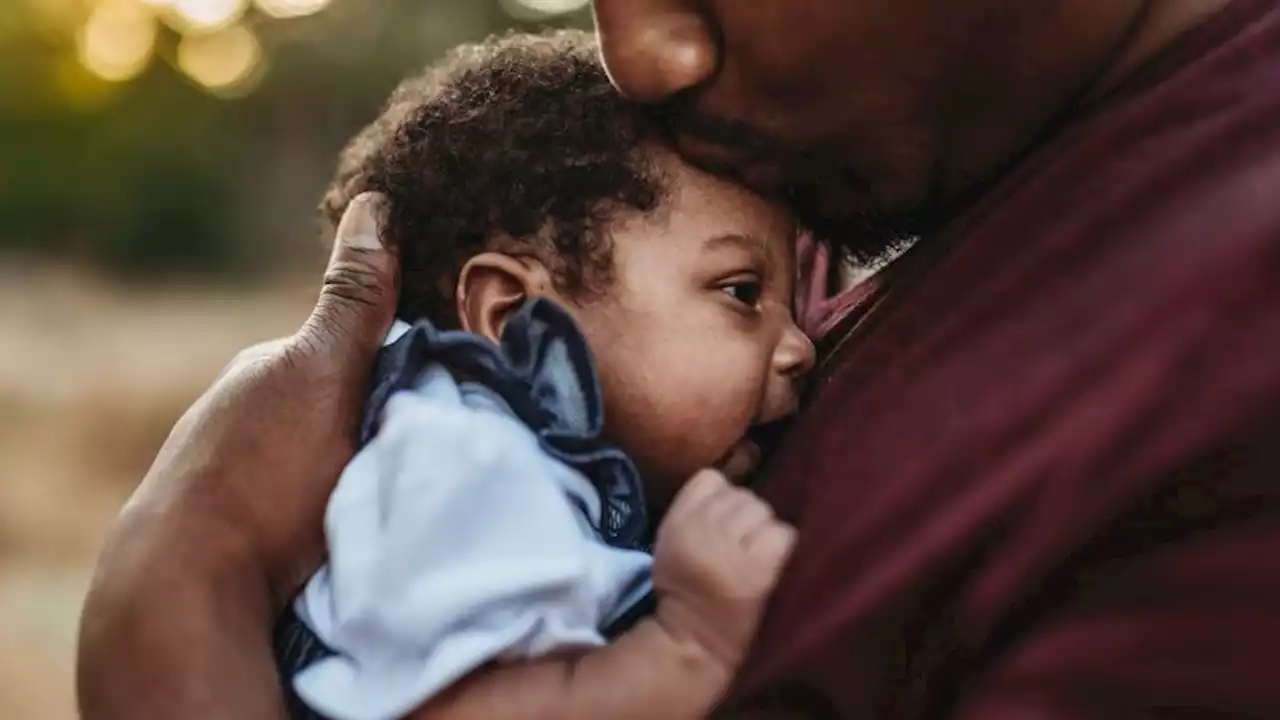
point(718, 555)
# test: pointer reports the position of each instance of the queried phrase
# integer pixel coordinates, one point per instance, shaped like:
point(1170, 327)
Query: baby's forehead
point(707, 208)
point(689, 234)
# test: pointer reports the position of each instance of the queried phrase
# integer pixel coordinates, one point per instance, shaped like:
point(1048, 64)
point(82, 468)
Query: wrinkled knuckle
point(354, 281)
point(321, 331)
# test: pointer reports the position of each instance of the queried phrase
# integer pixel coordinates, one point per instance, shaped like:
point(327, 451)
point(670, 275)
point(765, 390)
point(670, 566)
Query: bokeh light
point(291, 8)
point(165, 220)
point(205, 16)
point(554, 7)
point(532, 9)
point(117, 40)
point(224, 62)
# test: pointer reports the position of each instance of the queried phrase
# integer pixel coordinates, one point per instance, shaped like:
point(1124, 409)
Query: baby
point(490, 545)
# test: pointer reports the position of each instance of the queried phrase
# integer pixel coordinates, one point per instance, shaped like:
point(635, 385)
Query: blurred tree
point(159, 174)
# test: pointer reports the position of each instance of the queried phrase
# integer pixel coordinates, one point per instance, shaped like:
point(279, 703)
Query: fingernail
point(359, 226)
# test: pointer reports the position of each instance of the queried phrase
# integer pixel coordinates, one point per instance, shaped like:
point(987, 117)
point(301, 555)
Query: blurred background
point(160, 162)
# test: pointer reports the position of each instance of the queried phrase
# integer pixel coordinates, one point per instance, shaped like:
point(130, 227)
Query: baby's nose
point(792, 360)
point(795, 355)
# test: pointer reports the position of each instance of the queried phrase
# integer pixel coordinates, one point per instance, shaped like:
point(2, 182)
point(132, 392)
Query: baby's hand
point(718, 554)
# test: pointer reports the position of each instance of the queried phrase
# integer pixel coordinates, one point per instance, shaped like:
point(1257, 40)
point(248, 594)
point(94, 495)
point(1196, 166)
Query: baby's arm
point(718, 554)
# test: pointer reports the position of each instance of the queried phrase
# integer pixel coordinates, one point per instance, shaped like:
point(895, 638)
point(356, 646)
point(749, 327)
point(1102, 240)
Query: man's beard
point(865, 233)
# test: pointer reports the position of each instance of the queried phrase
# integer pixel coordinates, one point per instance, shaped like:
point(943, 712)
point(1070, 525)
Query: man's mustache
point(747, 143)
point(868, 232)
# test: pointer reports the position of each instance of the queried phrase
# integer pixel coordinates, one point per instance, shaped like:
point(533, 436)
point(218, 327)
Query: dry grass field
point(92, 376)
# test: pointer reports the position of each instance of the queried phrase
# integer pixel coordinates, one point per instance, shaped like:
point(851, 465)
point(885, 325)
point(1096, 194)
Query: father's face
point(832, 98)
point(855, 108)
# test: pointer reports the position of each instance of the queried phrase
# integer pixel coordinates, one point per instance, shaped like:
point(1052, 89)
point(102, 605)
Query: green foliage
point(155, 175)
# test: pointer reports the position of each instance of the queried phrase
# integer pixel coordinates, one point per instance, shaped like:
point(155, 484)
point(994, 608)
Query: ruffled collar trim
point(544, 372)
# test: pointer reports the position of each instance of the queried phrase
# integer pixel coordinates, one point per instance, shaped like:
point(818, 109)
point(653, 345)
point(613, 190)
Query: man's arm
point(173, 628)
point(228, 522)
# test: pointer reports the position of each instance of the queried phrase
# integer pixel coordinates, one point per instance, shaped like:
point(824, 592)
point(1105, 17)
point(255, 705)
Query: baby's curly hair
point(519, 144)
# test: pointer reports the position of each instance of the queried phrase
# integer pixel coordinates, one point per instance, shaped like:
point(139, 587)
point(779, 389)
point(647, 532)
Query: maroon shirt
point(1040, 478)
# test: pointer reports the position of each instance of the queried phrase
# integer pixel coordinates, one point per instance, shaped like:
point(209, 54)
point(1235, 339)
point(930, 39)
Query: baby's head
point(514, 170)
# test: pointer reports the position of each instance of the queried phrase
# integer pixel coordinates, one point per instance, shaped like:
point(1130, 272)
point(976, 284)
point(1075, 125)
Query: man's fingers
point(358, 299)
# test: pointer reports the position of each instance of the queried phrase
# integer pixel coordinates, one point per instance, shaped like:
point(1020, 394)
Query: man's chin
point(740, 462)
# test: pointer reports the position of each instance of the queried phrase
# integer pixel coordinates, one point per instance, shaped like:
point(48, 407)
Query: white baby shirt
point(455, 539)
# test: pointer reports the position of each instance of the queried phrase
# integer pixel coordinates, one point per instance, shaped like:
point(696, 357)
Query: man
point(1037, 478)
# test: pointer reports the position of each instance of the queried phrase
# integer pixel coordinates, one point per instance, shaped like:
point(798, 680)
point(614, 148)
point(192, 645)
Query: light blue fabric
point(456, 538)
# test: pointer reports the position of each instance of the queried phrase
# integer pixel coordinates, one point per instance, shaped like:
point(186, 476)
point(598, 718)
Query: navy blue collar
point(544, 372)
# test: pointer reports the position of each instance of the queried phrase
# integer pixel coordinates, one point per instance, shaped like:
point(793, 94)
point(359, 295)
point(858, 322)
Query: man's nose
point(654, 49)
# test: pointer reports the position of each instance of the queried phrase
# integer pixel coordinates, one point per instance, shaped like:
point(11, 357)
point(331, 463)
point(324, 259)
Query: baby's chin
point(740, 461)
point(663, 474)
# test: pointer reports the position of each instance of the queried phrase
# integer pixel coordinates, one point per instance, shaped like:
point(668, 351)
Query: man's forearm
point(176, 626)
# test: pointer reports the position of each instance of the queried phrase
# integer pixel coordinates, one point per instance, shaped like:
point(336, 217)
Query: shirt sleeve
point(452, 543)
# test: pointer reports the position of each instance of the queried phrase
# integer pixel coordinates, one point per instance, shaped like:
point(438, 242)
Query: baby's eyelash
point(747, 292)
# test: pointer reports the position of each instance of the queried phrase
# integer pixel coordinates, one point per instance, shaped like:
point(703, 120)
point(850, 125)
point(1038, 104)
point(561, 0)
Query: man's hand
point(718, 555)
point(228, 522)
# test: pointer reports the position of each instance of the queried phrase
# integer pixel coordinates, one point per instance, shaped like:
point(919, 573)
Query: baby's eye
point(746, 292)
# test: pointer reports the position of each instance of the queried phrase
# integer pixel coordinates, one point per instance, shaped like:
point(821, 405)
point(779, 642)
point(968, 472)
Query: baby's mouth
point(741, 460)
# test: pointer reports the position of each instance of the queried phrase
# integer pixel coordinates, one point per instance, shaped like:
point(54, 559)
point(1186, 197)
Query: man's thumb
point(358, 299)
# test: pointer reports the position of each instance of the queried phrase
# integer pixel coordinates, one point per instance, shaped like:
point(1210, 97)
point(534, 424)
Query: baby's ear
point(492, 286)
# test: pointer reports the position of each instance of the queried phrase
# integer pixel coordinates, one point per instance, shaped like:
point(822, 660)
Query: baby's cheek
point(675, 414)
point(700, 430)
point(667, 454)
